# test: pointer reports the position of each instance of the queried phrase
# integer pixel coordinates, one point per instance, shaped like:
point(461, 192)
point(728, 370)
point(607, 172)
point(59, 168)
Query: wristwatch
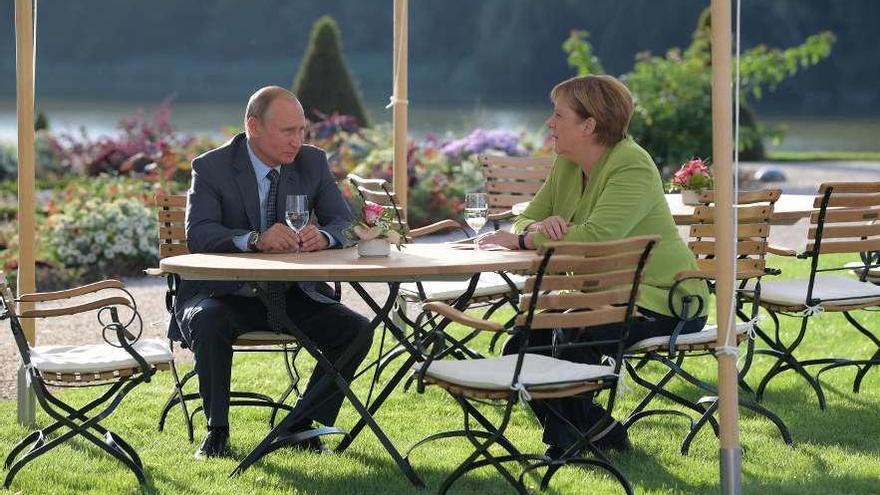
point(252, 241)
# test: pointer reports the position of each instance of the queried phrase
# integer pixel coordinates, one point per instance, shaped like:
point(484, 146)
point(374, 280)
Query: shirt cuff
point(240, 242)
point(331, 242)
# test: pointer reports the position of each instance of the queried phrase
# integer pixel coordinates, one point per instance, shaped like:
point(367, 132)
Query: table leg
point(415, 355)
point(273, 440)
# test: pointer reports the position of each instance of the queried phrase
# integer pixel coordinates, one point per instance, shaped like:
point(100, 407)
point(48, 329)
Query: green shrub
point(673, 116)
point(323, 83)
point(8, 162)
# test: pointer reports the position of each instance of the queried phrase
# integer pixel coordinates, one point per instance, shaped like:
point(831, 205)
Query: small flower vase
point(691, 197)
point(374, 248)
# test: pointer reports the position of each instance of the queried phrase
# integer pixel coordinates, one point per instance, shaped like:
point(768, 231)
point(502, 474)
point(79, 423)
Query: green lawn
point(813, 156)
point(836, 451)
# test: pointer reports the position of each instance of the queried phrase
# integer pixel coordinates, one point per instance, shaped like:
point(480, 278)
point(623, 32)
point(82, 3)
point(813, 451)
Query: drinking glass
point(475, 211)
point(296, 214)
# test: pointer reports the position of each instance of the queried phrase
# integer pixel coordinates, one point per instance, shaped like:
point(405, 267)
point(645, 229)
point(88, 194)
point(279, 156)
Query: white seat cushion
point(858, 267)
point(266, 336)
point(707, 336)
point(793, 292)
point(490, 284)
point(95, 358)
point(538, 372)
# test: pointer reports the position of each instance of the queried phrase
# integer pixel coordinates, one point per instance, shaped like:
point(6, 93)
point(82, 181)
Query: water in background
point(803, 133)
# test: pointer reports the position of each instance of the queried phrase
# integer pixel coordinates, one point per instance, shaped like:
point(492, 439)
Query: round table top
point(414, 262)
point(788, 209)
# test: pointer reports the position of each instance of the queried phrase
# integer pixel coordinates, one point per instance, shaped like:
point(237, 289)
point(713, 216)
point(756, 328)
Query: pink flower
point(685, 176)
point(372, 213)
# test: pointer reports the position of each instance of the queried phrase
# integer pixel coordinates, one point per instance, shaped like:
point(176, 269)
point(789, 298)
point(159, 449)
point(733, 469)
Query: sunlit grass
point(835, 451)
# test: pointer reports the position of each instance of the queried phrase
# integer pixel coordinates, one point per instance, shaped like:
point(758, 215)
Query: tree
point(323, 83)
point(673, 115)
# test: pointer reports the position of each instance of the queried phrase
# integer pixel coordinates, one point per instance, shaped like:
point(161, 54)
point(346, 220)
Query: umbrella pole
point(722, 151)
point(25, 42)
point(399, 102)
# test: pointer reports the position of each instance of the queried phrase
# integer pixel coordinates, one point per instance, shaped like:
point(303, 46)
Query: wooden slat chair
point(171, 213)
point(753, 228)
point(123, 361)
point(572, 285)
point(493, 290)
point(845, 222)
point(511, 180)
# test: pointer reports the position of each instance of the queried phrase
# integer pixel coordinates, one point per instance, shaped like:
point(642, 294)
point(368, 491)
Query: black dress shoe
point(214, 444)
point(612, 437)
point(294, 439)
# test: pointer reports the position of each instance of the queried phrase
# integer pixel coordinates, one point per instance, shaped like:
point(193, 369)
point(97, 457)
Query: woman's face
point(567, 128)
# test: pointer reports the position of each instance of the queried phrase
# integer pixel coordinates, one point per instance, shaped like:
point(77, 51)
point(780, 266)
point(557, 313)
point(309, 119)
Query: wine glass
point(296, 213)
point(475, 211)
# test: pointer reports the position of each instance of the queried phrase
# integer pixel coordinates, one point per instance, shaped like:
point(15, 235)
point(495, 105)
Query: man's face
point(277, 138)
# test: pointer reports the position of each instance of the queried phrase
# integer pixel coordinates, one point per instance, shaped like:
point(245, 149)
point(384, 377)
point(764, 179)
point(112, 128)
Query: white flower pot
point(691, 196)
point(374, 248)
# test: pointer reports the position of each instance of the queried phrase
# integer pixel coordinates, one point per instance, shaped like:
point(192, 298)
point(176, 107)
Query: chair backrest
point(511, 180)
point(171, 214)
point(846, 220)
point(578, 284)
point(378, 191)
point(754, 210)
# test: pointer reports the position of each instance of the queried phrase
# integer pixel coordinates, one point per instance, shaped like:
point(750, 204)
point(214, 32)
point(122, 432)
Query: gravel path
point(802, 178)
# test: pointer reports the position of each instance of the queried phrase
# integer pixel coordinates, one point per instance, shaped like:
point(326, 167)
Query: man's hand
point(553, 227)
point(312, 239)
point(278, 238)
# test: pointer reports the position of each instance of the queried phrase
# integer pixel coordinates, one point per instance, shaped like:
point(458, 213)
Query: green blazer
point(623, 197)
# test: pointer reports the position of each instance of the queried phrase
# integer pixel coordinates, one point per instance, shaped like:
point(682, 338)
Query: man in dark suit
point(236, 204)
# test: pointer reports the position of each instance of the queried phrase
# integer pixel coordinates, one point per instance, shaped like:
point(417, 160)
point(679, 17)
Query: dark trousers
point(216, 322)
point(581, 410)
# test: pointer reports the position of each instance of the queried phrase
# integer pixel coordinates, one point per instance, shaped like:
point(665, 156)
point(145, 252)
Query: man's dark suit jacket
point(223, 202)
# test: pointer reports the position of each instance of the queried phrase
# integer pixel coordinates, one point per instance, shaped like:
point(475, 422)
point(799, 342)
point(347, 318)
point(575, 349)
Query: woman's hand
point(552, 227)
point(499, 238)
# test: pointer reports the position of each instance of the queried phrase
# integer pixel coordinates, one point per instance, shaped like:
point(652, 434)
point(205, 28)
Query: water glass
point(296, 213)
point(475, 211)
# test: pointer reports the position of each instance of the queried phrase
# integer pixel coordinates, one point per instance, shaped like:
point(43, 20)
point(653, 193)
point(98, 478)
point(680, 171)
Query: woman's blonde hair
point(602, 97)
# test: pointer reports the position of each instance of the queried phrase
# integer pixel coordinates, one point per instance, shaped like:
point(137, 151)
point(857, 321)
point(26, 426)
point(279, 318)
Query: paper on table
point(489, 247)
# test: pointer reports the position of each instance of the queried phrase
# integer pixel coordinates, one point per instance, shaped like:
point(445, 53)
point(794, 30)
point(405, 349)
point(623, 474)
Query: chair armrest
point(503, 215)
point(779, 251)
point(68, 293)
point(435, 227)
point(703, 275)
point(465, 319)
point(78, 308)
point(695, 274)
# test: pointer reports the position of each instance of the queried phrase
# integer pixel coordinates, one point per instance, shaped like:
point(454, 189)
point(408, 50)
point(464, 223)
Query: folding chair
point(121, 363)
point(753, 229)
point(573, 285)
point(511, 180)
point(171, 213)
point(845, 223)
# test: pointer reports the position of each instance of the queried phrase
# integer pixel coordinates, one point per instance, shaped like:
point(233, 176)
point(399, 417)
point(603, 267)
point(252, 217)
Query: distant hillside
point(461, 50)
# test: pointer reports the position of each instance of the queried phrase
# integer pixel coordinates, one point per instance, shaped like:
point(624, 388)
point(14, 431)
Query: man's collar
point(260, 167)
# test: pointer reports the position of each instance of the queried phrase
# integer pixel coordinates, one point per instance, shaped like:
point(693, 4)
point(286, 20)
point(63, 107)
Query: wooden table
point(789, 209)
point(414, 262)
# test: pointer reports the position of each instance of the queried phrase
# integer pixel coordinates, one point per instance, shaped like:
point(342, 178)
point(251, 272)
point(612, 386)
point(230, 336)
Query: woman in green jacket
point(603, 187)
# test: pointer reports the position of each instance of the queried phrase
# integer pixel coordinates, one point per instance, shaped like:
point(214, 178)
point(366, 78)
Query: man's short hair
point(258, 104)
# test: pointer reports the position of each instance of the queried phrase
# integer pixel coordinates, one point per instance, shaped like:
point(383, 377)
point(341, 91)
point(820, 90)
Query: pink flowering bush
point(694, 174)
